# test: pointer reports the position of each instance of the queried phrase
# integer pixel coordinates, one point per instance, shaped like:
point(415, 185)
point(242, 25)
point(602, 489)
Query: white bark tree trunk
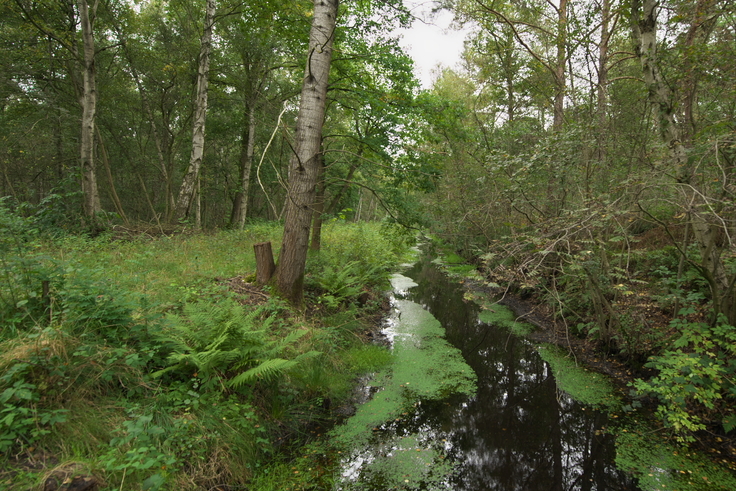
point(188, 185)
point(644, 31)
point(305, 162)
point(88, 101)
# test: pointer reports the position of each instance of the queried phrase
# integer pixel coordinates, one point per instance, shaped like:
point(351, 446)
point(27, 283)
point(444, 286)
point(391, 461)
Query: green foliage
point(23, 420)
point(26, 273)
point(695, 379)
point(660, 465)
point(230, 380)
point(222, 343)
point(42, 369)
point(354, 258)
point(341, 284)
point(95, 306)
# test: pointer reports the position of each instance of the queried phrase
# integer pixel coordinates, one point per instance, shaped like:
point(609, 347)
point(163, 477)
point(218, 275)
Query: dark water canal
point(519, 432)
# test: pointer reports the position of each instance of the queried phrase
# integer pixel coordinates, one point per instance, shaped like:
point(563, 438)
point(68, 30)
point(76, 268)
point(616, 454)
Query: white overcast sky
point(431, 42)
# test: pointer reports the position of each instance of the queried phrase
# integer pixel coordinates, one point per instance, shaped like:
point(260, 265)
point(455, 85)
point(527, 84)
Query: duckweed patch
point(425, 367)
point(401, 283)
point(402, 462)
point(660, 465)
point(451, 258)
point(502, 316)
point(583, 385)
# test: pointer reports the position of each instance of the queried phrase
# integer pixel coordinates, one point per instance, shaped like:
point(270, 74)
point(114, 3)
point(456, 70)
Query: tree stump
point(264, 262)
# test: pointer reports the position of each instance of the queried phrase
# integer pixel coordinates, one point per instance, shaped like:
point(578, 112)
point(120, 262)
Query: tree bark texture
point(305, 161)
point(264, 262)
point(188, 185)
point(644, 33)
point(319, 208)
point(240, 203)
point(88, 101)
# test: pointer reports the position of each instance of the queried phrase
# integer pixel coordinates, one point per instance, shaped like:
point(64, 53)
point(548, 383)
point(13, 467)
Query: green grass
point(166, 269)
point(112, 308)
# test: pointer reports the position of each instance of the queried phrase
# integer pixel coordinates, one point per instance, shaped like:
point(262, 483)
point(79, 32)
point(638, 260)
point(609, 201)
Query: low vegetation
point(153, 362)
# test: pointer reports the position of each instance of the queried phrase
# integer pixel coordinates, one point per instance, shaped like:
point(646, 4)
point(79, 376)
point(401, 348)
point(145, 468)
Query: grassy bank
point(154, 363)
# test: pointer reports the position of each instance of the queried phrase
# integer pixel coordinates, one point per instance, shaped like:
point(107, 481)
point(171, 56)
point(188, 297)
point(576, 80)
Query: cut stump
point(264, 262)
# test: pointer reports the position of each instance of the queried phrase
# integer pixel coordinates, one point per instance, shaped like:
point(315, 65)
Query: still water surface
point(519, 432)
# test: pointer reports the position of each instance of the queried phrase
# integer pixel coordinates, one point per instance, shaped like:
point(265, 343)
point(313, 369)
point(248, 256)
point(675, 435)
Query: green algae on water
point(425, 367)
point(401, 283)
point(502, 316)
point(583, 385)
point(403, 462)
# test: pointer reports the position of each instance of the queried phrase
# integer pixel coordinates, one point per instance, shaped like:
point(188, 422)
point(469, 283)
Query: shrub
point(696, 378)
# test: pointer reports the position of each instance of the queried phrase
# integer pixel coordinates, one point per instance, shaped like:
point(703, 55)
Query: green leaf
point(154, 482)
point(729, 423)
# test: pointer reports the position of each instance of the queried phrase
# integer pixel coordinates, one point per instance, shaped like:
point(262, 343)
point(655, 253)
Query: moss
point(660, 465)
point(583, 385)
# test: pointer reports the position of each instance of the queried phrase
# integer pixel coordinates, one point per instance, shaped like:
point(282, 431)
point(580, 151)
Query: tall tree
point(63, 30)
point(88, 101)
point(305, 161)
point(189, 184)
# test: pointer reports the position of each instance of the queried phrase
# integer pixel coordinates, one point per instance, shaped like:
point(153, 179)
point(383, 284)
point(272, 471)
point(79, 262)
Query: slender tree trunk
point(158, 141)
point(319, 208)
point(240, 203)
point(187, 190)
point(88, 102)
point(644, 32)
point(560, 79)
point(602, 99)
point(113, 191)
point(304, 163)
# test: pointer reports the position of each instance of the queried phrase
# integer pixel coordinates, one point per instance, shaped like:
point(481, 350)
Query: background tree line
point(104, 107)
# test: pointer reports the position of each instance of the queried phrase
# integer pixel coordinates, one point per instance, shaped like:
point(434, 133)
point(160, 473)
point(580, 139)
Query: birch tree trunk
point(705, 231)
point(559, 69)
point(188, 185)
point(305, 162)
point(88, 101)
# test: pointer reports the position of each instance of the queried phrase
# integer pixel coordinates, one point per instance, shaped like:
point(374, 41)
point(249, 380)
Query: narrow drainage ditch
point(469, 406)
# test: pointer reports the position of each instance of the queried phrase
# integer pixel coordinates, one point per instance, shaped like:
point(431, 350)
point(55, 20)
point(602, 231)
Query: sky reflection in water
point(518, 433)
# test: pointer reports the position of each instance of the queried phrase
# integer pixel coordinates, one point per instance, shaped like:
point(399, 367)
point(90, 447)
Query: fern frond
point(266, 371)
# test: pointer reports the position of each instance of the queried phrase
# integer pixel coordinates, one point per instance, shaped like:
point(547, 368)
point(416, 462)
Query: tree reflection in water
point(519, 432)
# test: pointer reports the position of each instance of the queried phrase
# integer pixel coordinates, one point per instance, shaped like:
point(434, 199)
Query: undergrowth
point(131, 363)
